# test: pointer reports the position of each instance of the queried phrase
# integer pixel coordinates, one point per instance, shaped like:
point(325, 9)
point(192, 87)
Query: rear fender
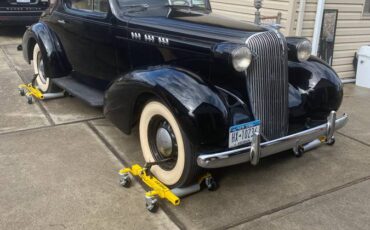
point(56, 62)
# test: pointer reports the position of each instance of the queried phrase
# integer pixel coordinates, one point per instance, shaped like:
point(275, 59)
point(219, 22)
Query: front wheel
point(162, 139)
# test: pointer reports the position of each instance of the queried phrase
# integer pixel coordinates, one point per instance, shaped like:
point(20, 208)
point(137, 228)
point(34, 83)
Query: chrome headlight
point(304, 49)
point(241, 58)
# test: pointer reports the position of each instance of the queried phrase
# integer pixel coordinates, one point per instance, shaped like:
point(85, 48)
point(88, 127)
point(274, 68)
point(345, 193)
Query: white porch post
point(318, 24)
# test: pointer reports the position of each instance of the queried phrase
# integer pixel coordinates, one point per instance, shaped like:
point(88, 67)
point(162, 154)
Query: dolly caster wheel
point(125, 180)
point(151, 204)
point(331, 141)
point(298, 151)
point(211, 184)
point(29, 99)
point(22, 92)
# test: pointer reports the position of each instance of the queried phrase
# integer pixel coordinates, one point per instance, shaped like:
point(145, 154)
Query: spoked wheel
point(162, 140)
point(42, 81)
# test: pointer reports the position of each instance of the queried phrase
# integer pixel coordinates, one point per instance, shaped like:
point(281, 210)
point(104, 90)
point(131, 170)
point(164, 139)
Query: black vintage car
point(206, 91)
point(21, 12)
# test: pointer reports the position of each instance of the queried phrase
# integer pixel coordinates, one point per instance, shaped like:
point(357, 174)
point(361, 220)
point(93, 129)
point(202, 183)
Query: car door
point(85, 30)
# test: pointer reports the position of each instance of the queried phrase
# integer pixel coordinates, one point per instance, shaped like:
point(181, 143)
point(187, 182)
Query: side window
point(366, 8)
point(100, 6)
point(85, 5)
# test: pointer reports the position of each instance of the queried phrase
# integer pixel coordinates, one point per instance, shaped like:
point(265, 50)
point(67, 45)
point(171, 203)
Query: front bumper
point(302, 141)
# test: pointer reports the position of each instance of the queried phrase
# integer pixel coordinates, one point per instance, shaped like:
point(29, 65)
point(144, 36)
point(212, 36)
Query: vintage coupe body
point(21, 12)
point(206, 91)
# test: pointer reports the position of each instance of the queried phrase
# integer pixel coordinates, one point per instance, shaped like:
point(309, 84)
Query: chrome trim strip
point(242, 155)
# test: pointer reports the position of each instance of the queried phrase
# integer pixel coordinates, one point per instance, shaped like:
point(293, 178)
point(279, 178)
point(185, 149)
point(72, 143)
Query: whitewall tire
point(162, 139)
point(42, 82)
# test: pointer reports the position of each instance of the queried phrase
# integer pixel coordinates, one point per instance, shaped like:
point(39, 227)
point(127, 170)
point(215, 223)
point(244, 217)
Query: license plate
point(23, 1)
point(243, 134)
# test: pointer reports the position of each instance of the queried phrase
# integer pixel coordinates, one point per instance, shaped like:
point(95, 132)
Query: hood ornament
point(258, 6)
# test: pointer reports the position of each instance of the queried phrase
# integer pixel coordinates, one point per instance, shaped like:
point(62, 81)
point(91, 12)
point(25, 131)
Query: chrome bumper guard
point(299, 142)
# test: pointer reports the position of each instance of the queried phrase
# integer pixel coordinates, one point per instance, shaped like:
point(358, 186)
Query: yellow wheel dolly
point(32, 93)
point(158, 189)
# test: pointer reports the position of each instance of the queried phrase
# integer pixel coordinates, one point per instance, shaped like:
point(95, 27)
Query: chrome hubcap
point(164, 142)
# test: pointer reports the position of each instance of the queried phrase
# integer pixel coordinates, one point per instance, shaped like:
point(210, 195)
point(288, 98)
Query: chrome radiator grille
point(267, 83)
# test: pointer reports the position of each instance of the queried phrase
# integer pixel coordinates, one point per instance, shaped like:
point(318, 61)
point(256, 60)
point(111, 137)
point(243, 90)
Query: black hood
point(195, 23)
point(213, 19)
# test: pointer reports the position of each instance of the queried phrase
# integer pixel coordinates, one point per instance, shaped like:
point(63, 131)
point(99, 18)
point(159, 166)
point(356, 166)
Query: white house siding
point(244, 10)
point(353, 31)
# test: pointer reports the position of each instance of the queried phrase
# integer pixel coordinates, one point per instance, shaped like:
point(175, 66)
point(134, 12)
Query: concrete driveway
point(59, 161)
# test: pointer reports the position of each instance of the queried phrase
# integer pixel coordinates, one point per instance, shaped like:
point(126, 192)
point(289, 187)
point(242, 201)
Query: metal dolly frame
point(158, 189)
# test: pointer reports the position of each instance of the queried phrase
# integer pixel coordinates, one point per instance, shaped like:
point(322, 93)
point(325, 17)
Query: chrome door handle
point(61, 21)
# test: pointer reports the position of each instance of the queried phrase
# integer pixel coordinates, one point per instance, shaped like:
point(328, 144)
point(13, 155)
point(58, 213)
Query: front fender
point(57, 64)
point(315, 89)
point(198, 107)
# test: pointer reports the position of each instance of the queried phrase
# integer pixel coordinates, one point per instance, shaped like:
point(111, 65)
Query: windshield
point(132, 6)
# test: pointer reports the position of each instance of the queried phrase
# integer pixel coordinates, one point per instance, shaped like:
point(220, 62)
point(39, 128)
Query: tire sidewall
point(181, 174)
point(37, 57)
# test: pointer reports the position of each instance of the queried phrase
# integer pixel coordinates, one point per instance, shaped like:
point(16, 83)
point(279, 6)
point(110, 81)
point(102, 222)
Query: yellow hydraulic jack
point(159, 190)
point(32, 93)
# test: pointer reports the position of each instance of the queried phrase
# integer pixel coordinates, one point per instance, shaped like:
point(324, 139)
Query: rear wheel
point(42, 81)
point(162, 139)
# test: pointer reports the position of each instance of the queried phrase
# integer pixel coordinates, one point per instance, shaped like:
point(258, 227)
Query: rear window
point(88, 5)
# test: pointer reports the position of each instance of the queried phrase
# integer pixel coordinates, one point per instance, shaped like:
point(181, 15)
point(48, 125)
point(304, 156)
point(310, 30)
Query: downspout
point(318, 24)
point(301, 11)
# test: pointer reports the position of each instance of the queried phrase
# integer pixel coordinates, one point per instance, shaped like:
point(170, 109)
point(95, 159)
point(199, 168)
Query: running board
point(91, 96)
